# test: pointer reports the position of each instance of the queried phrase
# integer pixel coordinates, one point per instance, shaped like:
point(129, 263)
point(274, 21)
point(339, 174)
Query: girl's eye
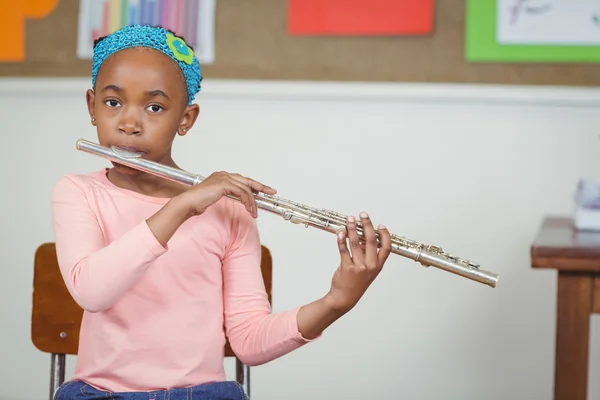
point(154, 108)
point(111, 103)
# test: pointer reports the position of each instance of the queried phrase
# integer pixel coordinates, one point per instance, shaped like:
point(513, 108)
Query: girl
point(164, 272)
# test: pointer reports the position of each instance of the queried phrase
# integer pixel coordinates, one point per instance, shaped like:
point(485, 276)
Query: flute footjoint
point(326, 220)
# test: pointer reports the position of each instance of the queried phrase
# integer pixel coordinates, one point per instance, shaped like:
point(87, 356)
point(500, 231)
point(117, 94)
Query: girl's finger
point(370, 240)
point(235, 189)
point(254, 185)
point(355, 248)
point(259, 187)
point(249, 196)
point(343, 248)
point(386, 245)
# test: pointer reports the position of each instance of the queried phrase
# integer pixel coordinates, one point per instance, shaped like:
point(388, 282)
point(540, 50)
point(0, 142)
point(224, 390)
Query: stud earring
point(93, 120)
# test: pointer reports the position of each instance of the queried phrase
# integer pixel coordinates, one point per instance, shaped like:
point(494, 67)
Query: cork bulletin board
point(252, 43)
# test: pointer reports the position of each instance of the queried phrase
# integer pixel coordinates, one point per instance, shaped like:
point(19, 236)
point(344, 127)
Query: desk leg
point(572, 335)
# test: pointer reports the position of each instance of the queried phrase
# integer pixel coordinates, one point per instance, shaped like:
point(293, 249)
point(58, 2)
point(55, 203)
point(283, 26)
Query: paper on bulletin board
point(192, 19)
point(360, 17)
point(483, 45)
point(549, 22)
point(13, 17)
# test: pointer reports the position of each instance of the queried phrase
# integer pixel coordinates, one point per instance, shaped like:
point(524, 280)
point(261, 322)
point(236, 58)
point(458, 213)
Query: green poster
point(482, 43)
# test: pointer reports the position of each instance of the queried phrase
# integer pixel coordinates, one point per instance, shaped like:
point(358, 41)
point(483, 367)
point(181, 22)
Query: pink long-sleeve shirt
point(156, 317)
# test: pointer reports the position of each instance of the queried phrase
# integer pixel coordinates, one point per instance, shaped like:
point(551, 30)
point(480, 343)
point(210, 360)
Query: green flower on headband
point(181, 50)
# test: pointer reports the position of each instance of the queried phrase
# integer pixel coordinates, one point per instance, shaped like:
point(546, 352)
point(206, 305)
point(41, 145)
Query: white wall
point(473, 169)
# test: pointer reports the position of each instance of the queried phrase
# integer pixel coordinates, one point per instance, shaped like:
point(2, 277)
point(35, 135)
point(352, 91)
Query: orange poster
point(360, 17)
point(13, 14)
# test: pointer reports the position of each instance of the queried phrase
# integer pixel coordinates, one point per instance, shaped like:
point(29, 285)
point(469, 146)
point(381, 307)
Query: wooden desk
point(576, 257)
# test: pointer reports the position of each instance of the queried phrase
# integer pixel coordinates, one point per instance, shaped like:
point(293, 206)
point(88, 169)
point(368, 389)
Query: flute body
point(329, 221)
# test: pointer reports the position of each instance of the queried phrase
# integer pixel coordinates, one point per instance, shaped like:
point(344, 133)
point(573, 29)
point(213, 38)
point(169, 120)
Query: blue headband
point(156, 38)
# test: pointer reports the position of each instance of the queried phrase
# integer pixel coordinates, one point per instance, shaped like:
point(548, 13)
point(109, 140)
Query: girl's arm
point(256, 334)
point(357, 270)
point(95, 273)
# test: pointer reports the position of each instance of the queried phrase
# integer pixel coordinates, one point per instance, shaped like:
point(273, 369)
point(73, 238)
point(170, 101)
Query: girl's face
point(140, 104)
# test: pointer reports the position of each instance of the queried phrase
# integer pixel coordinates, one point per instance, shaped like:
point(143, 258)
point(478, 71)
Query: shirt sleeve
point(96, 273)
point(255, 333)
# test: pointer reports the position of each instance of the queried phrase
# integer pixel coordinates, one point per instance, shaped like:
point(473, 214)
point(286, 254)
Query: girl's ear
point(190, 115)
point(91, 104)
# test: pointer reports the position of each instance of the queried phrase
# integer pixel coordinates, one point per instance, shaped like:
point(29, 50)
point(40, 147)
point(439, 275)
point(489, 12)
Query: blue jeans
point(228, 390)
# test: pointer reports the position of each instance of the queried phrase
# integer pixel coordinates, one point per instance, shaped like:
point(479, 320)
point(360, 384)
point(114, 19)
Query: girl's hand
point(360, 267)
point(220, 184)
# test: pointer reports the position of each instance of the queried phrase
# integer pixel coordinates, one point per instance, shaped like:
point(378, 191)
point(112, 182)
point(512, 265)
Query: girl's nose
point(130, 123)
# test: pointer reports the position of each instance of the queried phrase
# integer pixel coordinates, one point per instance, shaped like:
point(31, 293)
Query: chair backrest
point(56, 317)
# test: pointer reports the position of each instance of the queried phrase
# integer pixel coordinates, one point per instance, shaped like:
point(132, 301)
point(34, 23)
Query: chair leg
point(242, 373)
point(57, 373)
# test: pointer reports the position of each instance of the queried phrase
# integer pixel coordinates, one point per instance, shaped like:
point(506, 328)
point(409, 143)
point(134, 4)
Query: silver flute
point(329, 221)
